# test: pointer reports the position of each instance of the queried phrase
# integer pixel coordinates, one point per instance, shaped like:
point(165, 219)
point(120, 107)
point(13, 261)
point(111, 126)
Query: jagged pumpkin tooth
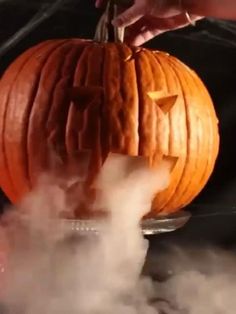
point(170, 161)
point(165, 102)
point(85, 96)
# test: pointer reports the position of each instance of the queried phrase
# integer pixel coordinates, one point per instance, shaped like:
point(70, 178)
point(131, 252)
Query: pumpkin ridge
point(31, 141)
point(3, 114)
point(210, 161)
point(17, 152)
point(204, 149)
point(79, 79)
point(112, 101)
point(145, 140)
point(103, 113)
point(182, 176)
point(128, 113)
point(72, 143)
point(175, 177)
point(131, 115)
point(188, 164)
point(140, 105)
point(40, 108)
point(208, 145)
point(162, 73)
point(216, 140)
point(81, 67)
point(193, 182)
point(58, 111)
point(159, 153)
point(91, 133)
point(121, 113)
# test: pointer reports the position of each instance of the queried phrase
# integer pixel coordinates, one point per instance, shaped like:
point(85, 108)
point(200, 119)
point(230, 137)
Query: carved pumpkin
point(105, 97)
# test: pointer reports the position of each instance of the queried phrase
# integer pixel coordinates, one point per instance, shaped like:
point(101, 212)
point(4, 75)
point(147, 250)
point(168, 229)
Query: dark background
point(209, 48)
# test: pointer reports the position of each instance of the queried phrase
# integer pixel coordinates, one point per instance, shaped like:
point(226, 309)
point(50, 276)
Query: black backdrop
point(209, 48)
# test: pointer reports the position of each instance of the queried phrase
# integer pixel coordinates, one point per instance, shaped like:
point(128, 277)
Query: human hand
point(146, 19)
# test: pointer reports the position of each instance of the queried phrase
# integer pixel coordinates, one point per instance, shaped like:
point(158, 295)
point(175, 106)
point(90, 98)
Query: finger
point(174, 23)
point(142, 37)
point(99, 3)
point(129, 16)
point(139, 33)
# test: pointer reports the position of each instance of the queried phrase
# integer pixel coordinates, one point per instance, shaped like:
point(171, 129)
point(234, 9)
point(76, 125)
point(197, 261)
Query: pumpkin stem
point(105, 31)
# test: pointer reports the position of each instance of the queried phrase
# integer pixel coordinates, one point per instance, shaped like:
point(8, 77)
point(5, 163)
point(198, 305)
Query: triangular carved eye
point(85, 96)
point(165, 102)
point(170, 161)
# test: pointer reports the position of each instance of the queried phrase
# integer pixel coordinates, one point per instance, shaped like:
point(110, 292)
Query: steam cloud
point(55, 272)
point(203, 281)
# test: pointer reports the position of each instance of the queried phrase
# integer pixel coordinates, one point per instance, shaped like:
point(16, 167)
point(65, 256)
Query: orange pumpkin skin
point(81, 95)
